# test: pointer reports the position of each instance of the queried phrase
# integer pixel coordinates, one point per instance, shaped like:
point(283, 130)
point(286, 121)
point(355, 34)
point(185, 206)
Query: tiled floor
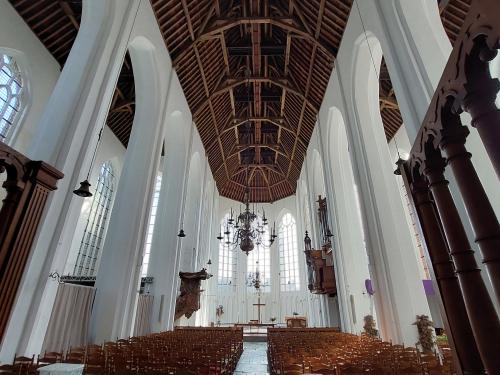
point(253, 360)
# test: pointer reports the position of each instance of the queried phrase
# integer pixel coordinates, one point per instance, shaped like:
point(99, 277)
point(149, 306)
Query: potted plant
point(425, 333)
point(369, 326)
point(219, 311)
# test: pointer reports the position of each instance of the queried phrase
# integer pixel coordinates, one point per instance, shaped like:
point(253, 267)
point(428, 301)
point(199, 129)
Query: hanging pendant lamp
point(84, 189)
point(181, 232)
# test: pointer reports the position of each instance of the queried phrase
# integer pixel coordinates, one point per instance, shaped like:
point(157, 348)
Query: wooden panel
point(28, 184)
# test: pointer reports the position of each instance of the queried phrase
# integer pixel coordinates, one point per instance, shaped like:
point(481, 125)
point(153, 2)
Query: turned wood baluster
point(479, 209)
point(449, 287)
point(482, 315)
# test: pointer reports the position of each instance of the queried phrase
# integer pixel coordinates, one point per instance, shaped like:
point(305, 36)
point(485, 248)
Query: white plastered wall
point(112, 150)
point(238, 299)
point(39, 69)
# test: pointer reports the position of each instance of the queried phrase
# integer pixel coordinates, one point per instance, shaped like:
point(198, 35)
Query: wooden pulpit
point(189, 300)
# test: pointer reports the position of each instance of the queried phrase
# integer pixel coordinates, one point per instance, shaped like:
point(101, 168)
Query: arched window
point(11, 89)
point(259, 259)
point(227, 258)
point(93, 236)
point(151, 226)
point(289, 261)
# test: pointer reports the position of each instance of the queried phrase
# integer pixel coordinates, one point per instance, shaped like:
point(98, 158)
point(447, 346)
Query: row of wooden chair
point(299, 351)
point(200, 351)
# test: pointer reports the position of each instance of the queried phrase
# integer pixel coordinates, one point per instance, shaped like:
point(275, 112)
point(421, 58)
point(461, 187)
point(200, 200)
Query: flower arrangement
point(425, 333)
point(369, 326)
point(219, 311)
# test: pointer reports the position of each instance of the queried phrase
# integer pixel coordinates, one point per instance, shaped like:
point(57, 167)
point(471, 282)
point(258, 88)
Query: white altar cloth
point(61, 369)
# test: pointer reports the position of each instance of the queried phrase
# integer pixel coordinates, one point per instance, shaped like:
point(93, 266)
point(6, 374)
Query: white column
point(416, 50)
point(163, 265)
point(350, 253)
point(119, 270)
point(342, 285)
point(399, 290)
point(66, 137)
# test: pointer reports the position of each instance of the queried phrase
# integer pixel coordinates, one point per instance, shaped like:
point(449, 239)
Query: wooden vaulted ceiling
point(254, 73)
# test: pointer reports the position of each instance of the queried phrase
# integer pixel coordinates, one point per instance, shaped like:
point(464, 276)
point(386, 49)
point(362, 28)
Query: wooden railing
point(27, 184)
point(466, 85)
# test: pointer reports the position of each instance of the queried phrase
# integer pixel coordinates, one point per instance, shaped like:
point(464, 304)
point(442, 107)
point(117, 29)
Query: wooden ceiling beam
point(266, 179)
point(275, 148)
point(69, 13)
point(205, 84)
point(388, 102)
point(231, 83)
point(294, 6)
point(222, 24)
point(279, 122)
point(123, 106)
point(308, 86)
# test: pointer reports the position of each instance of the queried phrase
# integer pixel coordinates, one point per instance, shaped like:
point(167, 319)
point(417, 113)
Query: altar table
point(62, 369)
point(296, 321)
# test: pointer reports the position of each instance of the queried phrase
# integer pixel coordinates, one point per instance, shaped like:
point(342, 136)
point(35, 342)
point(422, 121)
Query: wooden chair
point(49, 358)
point(10, 369)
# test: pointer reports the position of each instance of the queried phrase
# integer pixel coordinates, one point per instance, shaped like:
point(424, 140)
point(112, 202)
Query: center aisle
point(253, 360)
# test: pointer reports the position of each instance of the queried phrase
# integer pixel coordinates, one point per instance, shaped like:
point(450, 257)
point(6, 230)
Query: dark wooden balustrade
point(441, 145)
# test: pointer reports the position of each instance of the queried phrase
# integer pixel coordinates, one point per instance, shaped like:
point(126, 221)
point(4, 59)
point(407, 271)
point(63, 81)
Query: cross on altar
point(258, 304)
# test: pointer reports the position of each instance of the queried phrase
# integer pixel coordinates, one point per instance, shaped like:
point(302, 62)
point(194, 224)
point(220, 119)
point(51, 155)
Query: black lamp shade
point(83, 190)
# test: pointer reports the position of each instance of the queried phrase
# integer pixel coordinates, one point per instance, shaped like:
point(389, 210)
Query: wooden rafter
point(221, 25)
point(231, 83)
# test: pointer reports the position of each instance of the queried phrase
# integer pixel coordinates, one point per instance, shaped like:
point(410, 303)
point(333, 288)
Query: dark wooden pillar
point(480, 310)
point(480, 99)
point(481, 214)
point(449, 287)
point(28, 185)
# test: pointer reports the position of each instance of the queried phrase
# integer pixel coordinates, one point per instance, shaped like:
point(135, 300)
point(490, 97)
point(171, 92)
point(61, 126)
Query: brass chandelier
point(247, 229)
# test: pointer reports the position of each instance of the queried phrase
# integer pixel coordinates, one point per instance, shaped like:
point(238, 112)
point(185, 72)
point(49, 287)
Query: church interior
point(209, 187)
